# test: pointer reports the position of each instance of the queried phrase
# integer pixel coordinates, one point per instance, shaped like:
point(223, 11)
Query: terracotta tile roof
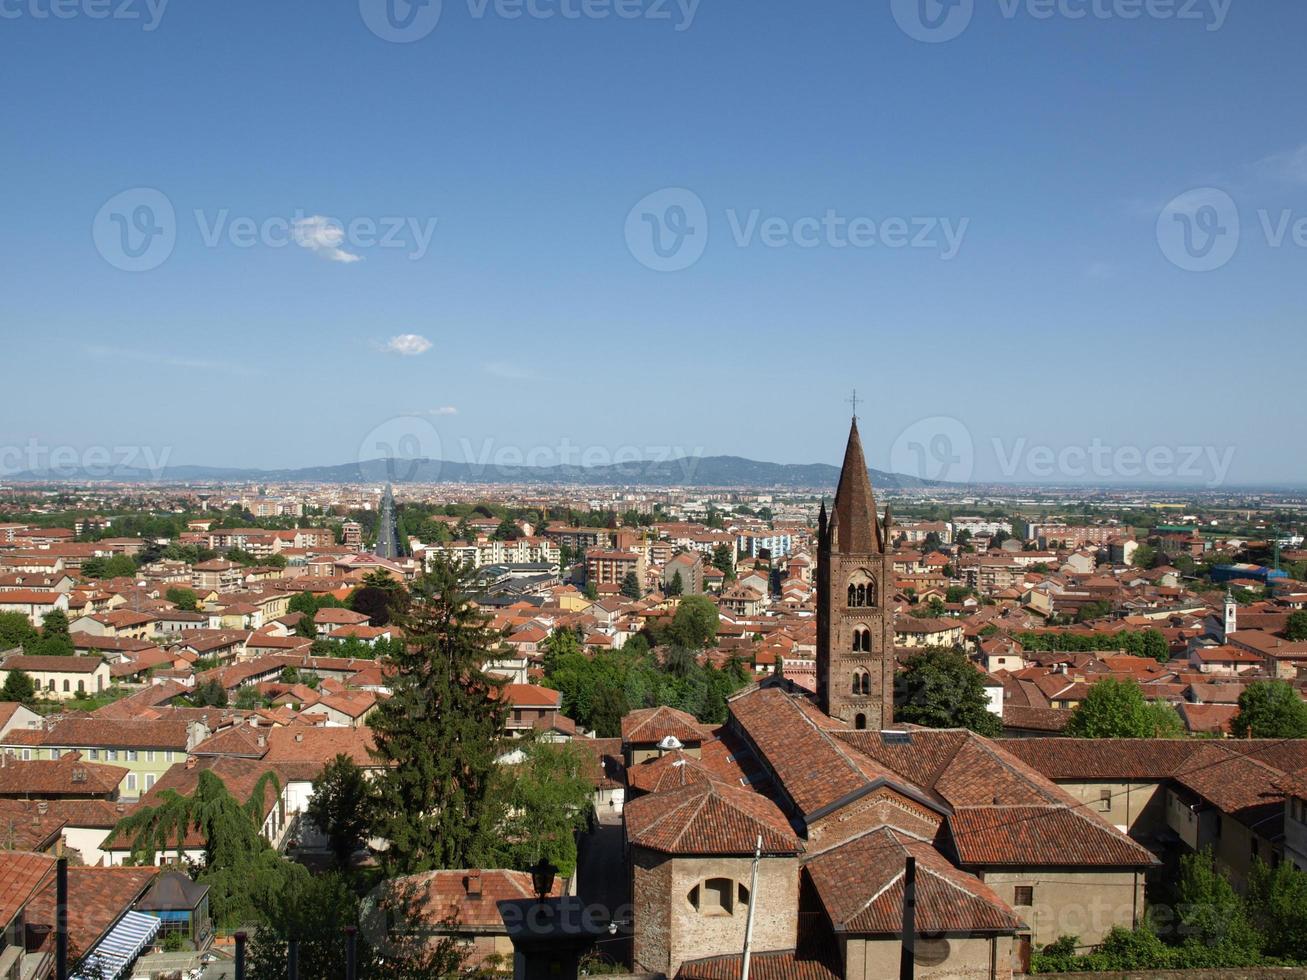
point(101, 814)
point(27, 826)
point(70, 775)
point(238, 740)
point(303, 743)
point(709, 818)
point(775, 965)
point(21, 875)
point(861, 886)
point(1041, 835)
point(467, 897)
point(66, 665)
point(97, 732)
point(650, 725)
point(97, 898)
point(671, 771)
point(1101, 758)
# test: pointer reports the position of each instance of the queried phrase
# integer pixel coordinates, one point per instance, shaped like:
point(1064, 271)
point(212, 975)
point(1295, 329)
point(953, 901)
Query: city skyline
point(906, 217)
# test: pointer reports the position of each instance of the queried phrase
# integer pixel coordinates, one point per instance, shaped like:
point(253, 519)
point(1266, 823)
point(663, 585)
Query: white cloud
point(444, 410)
point(324, 237)
point(1291, 165)
point(407, 345)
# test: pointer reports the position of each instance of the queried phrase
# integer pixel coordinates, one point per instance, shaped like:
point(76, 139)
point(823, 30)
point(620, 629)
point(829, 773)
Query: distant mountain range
point(686, 471)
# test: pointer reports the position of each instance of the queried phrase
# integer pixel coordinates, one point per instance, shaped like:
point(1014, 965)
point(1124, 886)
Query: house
point(329, 619)
point(912, 633)
point(689, 566)
point(59, 677)
point(22, 877)
point(533, 707)
point(465, 905)
point(33, 603)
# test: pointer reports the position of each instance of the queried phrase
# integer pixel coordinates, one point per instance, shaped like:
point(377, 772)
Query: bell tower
point(855, 627)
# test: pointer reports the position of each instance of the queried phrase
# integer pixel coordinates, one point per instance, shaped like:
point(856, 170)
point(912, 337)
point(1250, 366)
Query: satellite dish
point(670, 743)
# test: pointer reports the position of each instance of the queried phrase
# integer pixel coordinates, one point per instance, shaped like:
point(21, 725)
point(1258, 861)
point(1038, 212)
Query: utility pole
point(753, 904)
point(908, 940)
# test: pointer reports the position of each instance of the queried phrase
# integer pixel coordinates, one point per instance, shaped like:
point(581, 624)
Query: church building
point(835, 800)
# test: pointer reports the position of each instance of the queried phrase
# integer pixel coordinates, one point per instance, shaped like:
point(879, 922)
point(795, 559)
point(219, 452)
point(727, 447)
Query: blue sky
point(1049, 145)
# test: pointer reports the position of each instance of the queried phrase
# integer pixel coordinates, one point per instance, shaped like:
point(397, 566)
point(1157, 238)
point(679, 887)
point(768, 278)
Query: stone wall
point(1071, 902)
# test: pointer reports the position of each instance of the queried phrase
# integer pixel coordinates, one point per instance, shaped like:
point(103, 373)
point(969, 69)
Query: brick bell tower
point(855, 623)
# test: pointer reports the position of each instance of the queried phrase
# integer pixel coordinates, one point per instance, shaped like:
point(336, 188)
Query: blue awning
point(113, 954)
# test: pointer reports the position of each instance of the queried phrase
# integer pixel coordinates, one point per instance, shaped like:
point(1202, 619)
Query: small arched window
point(860, 722)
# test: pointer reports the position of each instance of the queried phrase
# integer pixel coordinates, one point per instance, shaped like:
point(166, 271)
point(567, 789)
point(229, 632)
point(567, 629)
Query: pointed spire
point(855, 505)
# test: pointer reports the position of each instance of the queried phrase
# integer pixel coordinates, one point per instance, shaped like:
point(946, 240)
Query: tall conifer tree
point(440, 732)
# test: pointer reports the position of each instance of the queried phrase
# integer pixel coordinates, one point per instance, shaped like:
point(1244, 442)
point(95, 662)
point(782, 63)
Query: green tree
point(55, 640)
point(1117, 709)
point(1209, 910)
point(694, 624)
point(16, 631)
point(183, 598)
point(546, 800)
point(440, 732)
point(677, 585)
point(18, 687)
point(238, 864)
point(1270, 709)
point(210, 694)
point(723, 559)
point(341, 807)
point(942, 689)
point(1277, 906)
point(1295, 629)
point(247, 698)
point(631, 586)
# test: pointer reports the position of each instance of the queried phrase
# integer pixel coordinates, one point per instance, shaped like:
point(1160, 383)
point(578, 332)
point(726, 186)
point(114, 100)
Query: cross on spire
point(853, 400)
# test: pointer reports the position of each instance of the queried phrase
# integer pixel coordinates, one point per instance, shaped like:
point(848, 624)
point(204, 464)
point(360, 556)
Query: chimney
point(299, 736)
point(474, 883)
point(190, 762)
point(42, 807)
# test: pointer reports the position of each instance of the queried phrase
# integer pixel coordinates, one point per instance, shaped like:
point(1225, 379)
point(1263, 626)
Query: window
point(860, 722)
point(27, 755)
point(1025, 895)
point(861, 640)
point(111, 755)
point(1104, 800)
point(81, 687)
point(95, 754)
point(131, 782)
point(67, 686)
point(56, 753)
point(149, 756)
point(149, 780)
point(132, 755)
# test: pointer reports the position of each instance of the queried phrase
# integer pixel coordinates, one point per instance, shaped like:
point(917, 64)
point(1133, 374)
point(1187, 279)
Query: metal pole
point(293, 960)
point(351, 952)
point(240, 956)
point(753, 903)
point(61, 919)
point(908, 941)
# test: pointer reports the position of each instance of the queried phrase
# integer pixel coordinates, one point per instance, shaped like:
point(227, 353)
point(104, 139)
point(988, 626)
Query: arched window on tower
point(861, 681)
point(862, 589)
point(860, 722)
point(861, 640)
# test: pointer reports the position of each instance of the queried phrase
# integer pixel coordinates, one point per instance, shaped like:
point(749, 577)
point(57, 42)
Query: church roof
point(861, 886)
point(709, 818)
point(854, 514)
